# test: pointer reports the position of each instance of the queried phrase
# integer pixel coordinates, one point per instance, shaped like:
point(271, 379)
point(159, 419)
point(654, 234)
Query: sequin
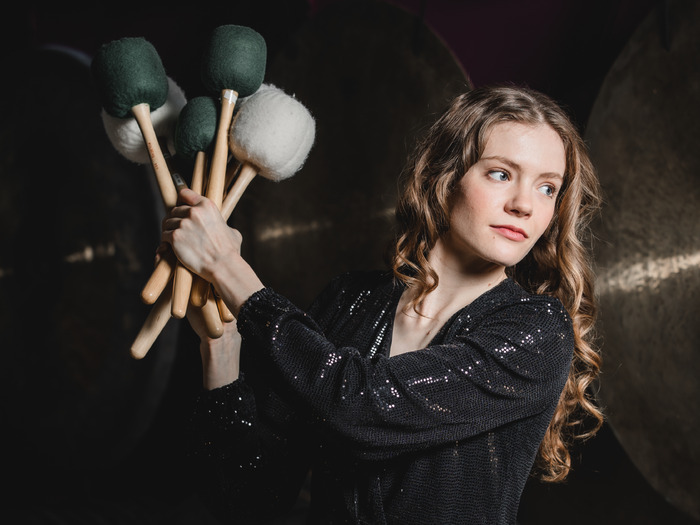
point(445, 433)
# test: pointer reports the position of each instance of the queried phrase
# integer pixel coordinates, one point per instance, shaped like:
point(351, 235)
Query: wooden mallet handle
point(142, 114)
point(183, 278)
point(217, 176)
point(155, 322)
point(159, 278)
point(164, 269)
point(245, 177)
point(219, 160)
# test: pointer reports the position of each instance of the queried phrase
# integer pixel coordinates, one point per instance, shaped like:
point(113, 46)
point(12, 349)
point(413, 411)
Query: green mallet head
point(196, 127)
point(234, 58)
point(129, 72)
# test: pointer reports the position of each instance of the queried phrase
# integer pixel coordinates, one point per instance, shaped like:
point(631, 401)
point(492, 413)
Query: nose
point(519, 203)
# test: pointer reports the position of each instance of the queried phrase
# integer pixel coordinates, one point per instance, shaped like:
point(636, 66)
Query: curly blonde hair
point(558, 265)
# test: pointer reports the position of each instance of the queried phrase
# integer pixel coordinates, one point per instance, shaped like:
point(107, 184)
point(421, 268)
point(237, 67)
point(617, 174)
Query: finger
point(178, 211)
point(162, 248)
point(166, 237)
point(171, 223)
point(160, 251)
point(192, 198)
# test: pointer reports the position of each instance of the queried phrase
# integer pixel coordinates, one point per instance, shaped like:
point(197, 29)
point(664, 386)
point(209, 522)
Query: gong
point(643, 134)
point(80, 228)
point(372, 75)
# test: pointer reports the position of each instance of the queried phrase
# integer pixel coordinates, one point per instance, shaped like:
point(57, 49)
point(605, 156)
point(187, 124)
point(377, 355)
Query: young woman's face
point(505, 202)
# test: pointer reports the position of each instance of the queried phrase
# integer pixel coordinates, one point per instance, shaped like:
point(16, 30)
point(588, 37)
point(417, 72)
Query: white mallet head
point(272, 131)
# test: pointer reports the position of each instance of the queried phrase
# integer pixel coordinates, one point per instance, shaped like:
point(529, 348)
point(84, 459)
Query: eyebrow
point(514, 165)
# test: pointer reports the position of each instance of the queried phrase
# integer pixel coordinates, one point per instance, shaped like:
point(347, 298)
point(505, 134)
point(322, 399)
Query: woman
point(425, 394)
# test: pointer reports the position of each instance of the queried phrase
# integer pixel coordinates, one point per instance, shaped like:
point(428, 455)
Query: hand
point(199, 235)
point(205, 244)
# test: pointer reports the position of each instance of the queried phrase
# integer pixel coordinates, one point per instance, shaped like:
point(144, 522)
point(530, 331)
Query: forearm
point(220, 356)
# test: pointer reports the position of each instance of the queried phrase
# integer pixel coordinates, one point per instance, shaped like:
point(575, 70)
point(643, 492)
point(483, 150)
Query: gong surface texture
point(644, 134)
point(80, 226)
point(372, 75)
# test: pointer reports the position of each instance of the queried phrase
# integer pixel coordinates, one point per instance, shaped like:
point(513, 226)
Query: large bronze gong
point(372, 75)
point(644, 133)
point(80, 226)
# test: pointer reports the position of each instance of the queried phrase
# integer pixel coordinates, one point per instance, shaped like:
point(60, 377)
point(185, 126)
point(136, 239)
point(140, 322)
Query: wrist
point(235, 281)
point(220, 359)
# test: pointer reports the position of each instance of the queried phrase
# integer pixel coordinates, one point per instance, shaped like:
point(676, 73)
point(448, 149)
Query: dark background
point(562, 48)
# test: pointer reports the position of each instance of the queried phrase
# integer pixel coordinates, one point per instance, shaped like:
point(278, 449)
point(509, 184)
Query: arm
point(220, 356)
point(250, 458)
point(511, 366)
point(249, 462)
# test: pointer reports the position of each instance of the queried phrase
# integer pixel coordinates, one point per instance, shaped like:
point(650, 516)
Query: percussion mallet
point(131, 80)
point(233, 66)
point(126, 137)
point(194, 136)
point(125, 134)
point(271, 135)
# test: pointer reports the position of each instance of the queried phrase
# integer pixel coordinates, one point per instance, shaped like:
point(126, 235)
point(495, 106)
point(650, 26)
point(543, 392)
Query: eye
point(499, 175)
point(548, 190)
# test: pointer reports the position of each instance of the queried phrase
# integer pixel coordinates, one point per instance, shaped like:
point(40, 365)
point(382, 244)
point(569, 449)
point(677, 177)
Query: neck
point(459, 282)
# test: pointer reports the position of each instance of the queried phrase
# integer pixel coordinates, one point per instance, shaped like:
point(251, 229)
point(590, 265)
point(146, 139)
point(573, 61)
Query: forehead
point(534, 147)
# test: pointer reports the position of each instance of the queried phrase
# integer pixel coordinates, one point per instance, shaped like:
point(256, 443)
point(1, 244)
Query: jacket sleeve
point(249, 457)
point(510, 366)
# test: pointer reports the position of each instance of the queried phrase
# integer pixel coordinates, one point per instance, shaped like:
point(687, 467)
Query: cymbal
point(643, 135)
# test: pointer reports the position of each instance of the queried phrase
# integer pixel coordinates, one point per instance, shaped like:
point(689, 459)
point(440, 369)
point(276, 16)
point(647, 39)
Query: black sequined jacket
point(446, 434)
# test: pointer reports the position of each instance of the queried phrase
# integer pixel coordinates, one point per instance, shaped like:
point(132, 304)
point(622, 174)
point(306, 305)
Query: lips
point(511, 232)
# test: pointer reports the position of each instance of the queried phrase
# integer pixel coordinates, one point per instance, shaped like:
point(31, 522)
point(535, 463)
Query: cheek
point(546, 220)
point(480, 202)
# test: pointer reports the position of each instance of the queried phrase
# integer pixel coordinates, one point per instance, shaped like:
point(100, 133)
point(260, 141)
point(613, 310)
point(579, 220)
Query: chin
point(507, 258)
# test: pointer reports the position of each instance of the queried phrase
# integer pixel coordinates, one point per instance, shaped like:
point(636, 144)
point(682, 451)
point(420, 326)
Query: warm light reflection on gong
point(647, 275)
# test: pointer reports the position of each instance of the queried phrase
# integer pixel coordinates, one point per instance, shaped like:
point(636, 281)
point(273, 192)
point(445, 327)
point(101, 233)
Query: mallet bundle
point(146, 116)
point(270, 136)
